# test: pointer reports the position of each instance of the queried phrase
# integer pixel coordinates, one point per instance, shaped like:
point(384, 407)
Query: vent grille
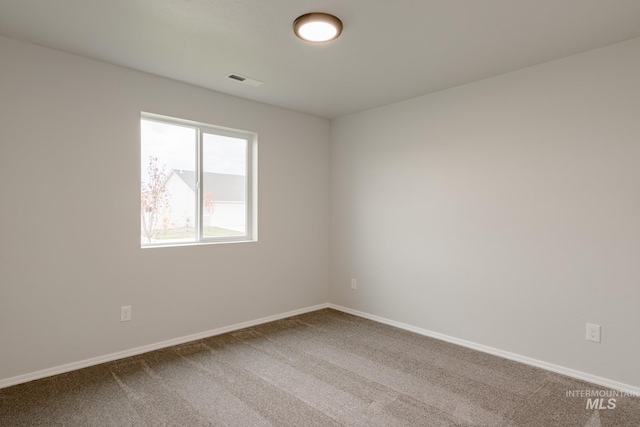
point(244, 80)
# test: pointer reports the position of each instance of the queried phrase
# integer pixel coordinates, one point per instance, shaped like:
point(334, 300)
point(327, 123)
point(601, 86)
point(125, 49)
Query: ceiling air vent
point(245, 80)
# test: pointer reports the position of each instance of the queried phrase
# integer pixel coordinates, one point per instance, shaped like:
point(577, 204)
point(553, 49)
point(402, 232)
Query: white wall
point(505, 212)
point(70, 148)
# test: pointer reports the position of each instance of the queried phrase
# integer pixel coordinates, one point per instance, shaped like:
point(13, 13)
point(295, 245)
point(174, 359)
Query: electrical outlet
point(593, 332)
point(354, 284)
point(125, 313)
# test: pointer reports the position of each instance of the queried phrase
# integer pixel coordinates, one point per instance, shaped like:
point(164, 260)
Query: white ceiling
point(390, 50)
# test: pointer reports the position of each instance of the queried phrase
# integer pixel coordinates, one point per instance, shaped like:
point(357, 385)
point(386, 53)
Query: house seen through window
point(196, 182)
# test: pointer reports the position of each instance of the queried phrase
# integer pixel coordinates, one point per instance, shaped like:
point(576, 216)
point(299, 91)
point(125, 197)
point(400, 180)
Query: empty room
point(320, 213)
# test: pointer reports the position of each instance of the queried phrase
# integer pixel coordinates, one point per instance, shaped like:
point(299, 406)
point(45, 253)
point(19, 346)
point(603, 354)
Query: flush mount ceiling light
point(317, 27)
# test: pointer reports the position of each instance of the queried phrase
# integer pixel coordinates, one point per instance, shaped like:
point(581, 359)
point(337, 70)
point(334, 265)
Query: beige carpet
point(324, 368)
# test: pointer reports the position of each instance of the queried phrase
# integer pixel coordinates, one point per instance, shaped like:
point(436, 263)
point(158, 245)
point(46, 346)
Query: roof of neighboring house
point(224, 187)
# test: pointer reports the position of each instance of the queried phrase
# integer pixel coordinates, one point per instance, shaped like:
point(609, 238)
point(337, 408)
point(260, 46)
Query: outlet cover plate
point(125, 313)
point(593, 332)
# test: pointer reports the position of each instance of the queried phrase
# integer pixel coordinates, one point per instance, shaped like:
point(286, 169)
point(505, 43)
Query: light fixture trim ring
point(317, 17)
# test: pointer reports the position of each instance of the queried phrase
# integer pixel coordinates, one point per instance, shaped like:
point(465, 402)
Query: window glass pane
point(168, 183)
point(224, 191)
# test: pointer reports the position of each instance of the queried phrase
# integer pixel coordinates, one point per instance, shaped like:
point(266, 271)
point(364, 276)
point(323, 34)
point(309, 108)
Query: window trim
point(251, 193)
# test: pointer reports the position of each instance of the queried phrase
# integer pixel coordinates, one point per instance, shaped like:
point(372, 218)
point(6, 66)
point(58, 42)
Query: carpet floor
point(324, 368)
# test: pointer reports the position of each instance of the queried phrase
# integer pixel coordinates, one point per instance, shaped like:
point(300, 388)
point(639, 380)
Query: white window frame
point(251, 195)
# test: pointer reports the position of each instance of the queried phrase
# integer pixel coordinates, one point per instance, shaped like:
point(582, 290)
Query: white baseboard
point(146, 348)
point(496, 352)
point(486, 349)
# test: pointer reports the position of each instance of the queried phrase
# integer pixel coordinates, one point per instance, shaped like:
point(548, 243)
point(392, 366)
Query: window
point(197, 182)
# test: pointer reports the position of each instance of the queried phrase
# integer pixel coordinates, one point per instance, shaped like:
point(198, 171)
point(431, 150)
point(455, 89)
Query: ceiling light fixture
point(317, 27)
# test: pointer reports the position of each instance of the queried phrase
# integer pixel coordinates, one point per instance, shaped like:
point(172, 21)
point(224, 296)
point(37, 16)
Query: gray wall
point(69, 224)
point(505, 212)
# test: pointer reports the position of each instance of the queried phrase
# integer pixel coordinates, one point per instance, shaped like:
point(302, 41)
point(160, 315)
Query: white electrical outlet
point(125, 313)
point(354, 284)
point(593, 332)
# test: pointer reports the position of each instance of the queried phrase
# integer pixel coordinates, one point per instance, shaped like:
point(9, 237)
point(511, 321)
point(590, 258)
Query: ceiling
point(389, 50)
